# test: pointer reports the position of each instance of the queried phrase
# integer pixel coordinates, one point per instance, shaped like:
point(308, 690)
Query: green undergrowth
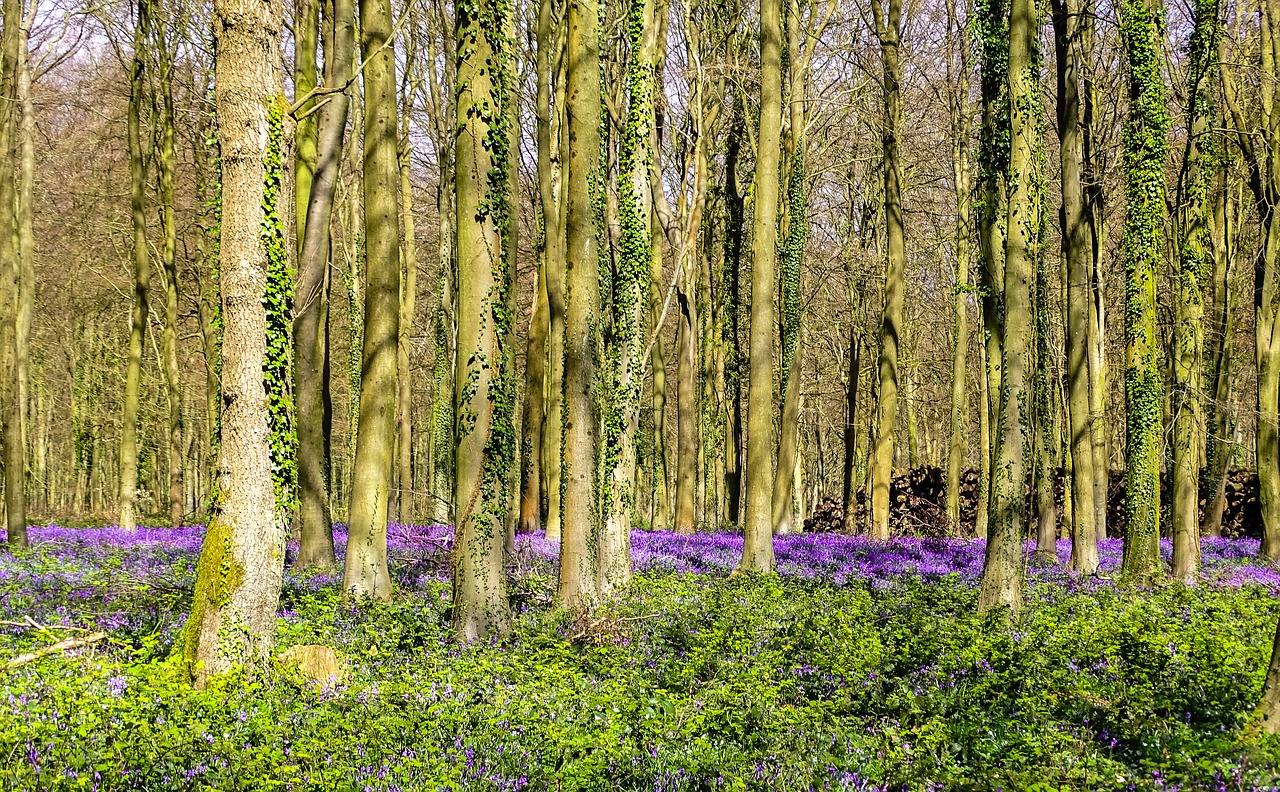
point(685, 683)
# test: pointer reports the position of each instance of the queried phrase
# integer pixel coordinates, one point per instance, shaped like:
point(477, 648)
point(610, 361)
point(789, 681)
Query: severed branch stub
point(60, 646)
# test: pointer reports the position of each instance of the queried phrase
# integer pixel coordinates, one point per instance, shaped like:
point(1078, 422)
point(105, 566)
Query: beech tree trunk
point(138, 157)
point(888, 23)
point(578, 551)
point(241, 564)
point(483, 396)
point(757, 549)
point(365, 572)
point(1146, 144)
point(1002, 572)
point(1078, 257)
point(311, 301)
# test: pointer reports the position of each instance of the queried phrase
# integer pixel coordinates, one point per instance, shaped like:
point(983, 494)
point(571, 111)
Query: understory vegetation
point(858, 666)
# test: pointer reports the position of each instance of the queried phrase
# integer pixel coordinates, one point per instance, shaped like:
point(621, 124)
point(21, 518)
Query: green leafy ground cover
point(691, 681)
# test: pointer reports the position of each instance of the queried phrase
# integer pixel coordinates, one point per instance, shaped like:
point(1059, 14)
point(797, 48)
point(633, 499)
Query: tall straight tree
point(959, 115)
point(1002, 571)
point(582, 307)
point(11, 295)
point(1264, 182)
point(757, 546)
point(311, 298)
point(1145, 148)
point(403, 496)
point(1195, 264)
point(888, 23)
point(238, 576)
point(138, 157)
point(1078, 258)
point(551, 134)
point(483, 394)
point(991, 26)
point(630, 292)
point(1259, 142)
point(166, 171)
point(365, 572)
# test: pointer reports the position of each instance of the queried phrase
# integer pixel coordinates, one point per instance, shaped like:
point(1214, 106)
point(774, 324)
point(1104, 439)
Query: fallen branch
point(60, 646)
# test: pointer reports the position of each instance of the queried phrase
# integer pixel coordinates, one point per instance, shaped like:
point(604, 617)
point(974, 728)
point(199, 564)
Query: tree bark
point(311, 301)
point(365, 572)
point(482, 388)
point(1078, 257)
point(888, 23)
point(1195, 265)
point(757, 549)
point(166, 167)
point(1002, 572)
point(578, 539)
point(958, 108)
point(1145, 148)
point(241, 563)
point(138, 157)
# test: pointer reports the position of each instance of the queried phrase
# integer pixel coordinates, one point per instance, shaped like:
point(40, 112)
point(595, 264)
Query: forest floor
point(860, 666)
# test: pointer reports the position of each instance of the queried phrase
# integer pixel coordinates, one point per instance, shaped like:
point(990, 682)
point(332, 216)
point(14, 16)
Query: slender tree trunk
point(578, 551)
point(311, 301)
point(1002, 572)
point(166, 166)
point(1094, 215)
point(851, 434)
point(1078, 257)
point(1045, 437)
point(1195, 265)
point(687, 418)
point(241, 565)
point(138, 157)
point(482, 388)
point(1146, 145)
point(365, 572)
point(535, 399)
point(757, 550)
point(1219, 420)
point(306, 41)
point(790, 265)
point(889, 31)
point(10, 284)
point(630, 291)
point(551, 134)
point(958, 107)
point(403, 496)
point(733, 232)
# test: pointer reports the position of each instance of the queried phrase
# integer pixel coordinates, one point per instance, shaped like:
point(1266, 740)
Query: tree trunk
point(311, 303)
point(851, 434)
point(582, 330)
point(1002, 572)
point(138, 157)
point(365, 572)
point(402, 507)
point(10, 289)
point(1220, 419)
point(166, 166)
point(889, 32)
point(535, 398)
point(757, 550)
point(1145, 148)
point(482, 388)
point(1195, 264)
point(630, 291)
point(958, 107)
point(1077, 255)
point(238, 577)
point(551, 134)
